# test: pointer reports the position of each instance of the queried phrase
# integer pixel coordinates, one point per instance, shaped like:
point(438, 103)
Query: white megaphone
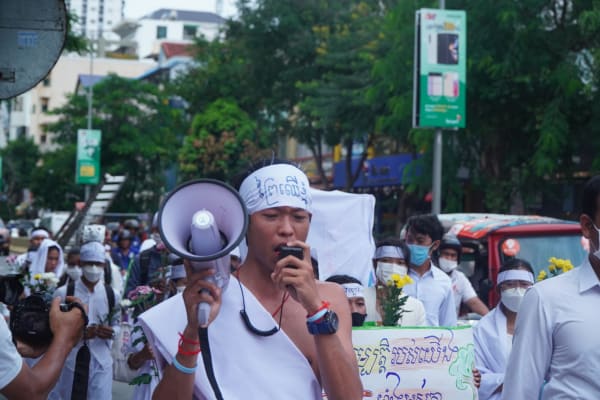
point(203, 221)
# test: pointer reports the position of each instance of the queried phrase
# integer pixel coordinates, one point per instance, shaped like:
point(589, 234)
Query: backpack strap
point(144, 266)
point(110, 296)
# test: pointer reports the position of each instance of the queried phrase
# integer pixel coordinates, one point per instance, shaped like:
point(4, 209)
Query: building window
point(161, 32)
point(189, 31)
point(44, 101)
point(18, 103)
point(21, 131)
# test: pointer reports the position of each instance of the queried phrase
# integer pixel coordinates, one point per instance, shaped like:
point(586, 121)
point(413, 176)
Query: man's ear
point(587, 226)
point(434, 246)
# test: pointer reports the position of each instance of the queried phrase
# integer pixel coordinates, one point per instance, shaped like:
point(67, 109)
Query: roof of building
point(171, 49)
point(185, 15)
point(86, 80)
point(172, 63)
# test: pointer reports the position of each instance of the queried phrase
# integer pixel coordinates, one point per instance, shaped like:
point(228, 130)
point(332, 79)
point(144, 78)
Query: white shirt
point(556, 338)
point(492, 349)
point(414, 311)
point(434, 289)
point(10, 360)
point(97, 312)
point(461, 289)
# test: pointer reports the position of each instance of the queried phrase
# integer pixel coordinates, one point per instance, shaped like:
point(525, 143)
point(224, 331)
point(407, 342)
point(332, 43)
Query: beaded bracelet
point(183, 369)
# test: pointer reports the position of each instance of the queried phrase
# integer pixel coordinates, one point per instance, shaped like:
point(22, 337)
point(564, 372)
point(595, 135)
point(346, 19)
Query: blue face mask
point(418, 254)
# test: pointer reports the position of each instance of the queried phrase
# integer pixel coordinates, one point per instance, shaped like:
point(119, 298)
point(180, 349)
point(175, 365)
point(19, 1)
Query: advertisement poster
point(440, 76)
point(416, 363)
point(88, 157)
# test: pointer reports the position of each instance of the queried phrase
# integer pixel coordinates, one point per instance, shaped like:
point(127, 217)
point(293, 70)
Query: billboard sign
point(440, 69)
point(88, 157)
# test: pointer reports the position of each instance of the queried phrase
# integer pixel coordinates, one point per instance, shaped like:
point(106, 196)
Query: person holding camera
point(103, 323)
point(275, 331)
point(17, 379)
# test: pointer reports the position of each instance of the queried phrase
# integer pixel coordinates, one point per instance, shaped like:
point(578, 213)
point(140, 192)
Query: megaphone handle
point(203, 313)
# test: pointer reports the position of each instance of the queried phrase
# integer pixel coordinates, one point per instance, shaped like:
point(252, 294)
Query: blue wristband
point(318, 315)
point(183, 369)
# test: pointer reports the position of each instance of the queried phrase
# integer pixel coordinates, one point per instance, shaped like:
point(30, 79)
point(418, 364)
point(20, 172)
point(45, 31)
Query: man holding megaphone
point(274, 331)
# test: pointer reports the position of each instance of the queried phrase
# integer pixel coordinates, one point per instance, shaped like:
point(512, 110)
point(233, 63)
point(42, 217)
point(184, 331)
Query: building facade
point(166, 25)
point(97, 18)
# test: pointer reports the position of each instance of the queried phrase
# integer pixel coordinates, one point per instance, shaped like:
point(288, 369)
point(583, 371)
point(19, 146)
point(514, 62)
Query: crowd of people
point(142, 302)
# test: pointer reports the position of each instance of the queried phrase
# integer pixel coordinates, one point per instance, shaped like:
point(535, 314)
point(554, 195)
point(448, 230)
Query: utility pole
point(438, 147)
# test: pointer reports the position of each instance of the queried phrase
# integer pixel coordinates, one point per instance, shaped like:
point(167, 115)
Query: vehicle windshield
point(538, 249)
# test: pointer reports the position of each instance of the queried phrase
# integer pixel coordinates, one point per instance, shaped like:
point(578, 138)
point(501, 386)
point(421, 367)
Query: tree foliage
point(140, 134)
point(223, 140)
point(19, 159)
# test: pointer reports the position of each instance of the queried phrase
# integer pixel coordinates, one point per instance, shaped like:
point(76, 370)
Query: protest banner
point(427, 363)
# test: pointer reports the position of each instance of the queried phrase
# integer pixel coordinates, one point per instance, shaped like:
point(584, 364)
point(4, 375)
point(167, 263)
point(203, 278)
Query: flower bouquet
point(556, 267)
point(392, 299)
point(143, 298)
point(42, 282)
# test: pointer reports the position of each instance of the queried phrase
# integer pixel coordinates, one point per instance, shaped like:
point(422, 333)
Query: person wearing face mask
point(147, 265)
point(73, 269)
point(556, 334)
point(392, 257)
point(431, 285)
point(494, 333)
point(448, 258)
point(355, 292)
point(102, 327)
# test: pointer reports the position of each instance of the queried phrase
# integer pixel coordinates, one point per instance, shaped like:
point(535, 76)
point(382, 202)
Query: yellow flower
point(37, 276)
point(542, 275)
point(552, 267)
point(395, 277)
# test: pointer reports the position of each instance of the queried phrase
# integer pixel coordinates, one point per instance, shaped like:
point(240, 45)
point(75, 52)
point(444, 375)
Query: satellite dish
point(32, 36)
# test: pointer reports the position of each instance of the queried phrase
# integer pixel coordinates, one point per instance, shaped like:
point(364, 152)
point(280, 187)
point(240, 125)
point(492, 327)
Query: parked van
point(489, 239)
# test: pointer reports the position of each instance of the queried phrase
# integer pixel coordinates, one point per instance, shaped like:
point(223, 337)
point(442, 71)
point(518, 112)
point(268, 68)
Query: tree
point(530, 100)
point(19, 159)
point(140, 135)
point(223, 140)
point(337, 100)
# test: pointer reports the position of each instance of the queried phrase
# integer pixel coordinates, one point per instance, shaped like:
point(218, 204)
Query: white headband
point(515, 275)
point(39, 233)
point(388, 251)
point(353, 290)
point(277, 185)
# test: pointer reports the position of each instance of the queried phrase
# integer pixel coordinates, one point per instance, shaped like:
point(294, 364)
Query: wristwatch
point(327, 325)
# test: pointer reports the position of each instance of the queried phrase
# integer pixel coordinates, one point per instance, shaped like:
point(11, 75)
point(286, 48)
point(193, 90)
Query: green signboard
point(440, 69)
point(88, 157)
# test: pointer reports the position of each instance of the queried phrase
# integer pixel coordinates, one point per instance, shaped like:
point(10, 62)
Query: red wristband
point(324, 305)
point(186, 340)
point(183, 352)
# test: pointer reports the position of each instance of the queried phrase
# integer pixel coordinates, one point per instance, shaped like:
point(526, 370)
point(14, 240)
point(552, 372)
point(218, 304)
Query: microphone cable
point(207, 361)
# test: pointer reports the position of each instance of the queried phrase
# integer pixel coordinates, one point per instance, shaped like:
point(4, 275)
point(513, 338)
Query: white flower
point(125, 303)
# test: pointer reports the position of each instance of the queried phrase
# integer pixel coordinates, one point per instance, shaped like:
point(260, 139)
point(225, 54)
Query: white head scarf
point(277, 185)
point(38, 264)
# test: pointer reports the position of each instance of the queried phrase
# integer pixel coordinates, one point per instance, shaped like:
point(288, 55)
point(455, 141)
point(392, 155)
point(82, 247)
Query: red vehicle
point(489, 239)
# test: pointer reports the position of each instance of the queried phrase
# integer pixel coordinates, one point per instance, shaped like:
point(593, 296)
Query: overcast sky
point(139, 8)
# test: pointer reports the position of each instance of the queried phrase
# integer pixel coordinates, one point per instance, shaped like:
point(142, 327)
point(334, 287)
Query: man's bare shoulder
point(331, 291)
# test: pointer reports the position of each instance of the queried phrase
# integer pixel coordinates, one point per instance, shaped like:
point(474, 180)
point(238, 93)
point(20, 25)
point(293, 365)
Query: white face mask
point(180, 289)
point(92, 273)
point(447, 265)
point(74, 272)
point(511, 298)
point(385, 271)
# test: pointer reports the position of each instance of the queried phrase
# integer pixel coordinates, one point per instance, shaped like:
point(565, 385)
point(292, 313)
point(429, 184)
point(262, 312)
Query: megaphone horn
point(203, 221)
